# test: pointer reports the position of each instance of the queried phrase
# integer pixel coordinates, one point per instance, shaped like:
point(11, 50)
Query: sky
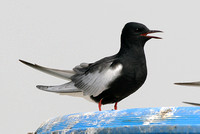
point(62, 34)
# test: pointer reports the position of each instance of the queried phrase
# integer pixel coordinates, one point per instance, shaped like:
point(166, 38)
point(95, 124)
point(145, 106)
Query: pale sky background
point(61, 34)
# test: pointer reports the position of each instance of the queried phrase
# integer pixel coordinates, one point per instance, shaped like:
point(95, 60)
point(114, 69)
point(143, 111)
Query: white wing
point(96, 81)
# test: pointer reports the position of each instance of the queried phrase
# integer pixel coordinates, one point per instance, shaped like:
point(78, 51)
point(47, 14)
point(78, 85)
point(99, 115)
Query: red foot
point(115, 107)
point(100, 104)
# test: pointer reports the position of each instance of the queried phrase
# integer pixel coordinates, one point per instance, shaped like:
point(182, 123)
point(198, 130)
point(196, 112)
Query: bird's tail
point(189, 83)
point(65, 88)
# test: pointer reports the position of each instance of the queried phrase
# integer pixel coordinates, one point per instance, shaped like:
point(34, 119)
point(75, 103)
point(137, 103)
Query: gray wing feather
point(91, 79)
point(96, 79)
point(64, 74)
point(65, 88)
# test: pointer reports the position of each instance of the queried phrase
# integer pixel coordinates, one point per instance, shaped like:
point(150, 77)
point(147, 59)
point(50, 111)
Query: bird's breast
point(135, 71)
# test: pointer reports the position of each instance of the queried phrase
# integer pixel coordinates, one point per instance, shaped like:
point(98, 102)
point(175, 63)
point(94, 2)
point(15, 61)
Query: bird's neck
point(132, 48)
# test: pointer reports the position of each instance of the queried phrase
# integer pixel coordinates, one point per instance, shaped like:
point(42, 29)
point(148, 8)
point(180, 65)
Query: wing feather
point(64, 88)
point(91, 79)
point(95, 80)
point(64, 74)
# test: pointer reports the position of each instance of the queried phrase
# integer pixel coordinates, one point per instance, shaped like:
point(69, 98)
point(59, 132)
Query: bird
point(110, 79)
point(194, 84)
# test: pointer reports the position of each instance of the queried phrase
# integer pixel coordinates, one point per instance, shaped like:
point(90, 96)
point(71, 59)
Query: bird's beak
point(151, 31)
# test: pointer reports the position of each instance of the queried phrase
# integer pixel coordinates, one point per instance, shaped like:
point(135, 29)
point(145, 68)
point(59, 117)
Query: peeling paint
point(140, 120)
point(164, 113)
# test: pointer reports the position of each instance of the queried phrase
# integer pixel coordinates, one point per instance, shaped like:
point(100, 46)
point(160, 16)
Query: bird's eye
point(138, 30)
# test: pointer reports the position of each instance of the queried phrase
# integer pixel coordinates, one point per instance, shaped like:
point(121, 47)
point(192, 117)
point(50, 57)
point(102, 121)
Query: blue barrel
point(138, 120)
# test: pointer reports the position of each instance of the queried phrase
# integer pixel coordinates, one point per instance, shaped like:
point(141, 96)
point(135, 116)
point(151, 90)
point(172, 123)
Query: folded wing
point(96, 78)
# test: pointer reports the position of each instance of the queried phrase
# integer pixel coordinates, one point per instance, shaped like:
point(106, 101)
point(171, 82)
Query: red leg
point(115, 107)
point(100, 104)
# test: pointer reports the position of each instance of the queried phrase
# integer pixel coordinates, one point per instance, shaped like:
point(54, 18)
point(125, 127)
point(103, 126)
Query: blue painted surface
point(138, 120)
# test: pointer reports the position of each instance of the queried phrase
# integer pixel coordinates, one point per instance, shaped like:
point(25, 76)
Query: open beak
point(151, 31)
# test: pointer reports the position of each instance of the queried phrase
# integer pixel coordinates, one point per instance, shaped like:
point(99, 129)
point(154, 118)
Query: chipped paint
point(138, 120)
point(164, 113)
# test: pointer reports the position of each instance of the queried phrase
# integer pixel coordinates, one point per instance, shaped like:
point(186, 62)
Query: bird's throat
point(132, 50)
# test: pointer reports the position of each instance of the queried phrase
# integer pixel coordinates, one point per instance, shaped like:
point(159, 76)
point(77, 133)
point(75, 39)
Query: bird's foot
point(115, 106)
point(100, 104)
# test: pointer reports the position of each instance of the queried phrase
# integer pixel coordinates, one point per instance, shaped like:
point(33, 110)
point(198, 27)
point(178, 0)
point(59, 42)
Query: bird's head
point(137, 32)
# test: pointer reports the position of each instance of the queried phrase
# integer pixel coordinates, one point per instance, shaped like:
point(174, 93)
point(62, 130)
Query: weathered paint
point(138, 120)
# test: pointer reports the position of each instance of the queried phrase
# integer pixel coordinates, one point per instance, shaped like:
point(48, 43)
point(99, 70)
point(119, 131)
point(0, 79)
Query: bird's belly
point(119, 90)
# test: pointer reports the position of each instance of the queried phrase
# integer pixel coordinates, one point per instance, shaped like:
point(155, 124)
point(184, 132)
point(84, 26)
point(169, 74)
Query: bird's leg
point(115, 107)
point(100, 104)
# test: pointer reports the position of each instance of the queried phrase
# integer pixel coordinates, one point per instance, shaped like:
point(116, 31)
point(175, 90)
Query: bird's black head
point(137, 32)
